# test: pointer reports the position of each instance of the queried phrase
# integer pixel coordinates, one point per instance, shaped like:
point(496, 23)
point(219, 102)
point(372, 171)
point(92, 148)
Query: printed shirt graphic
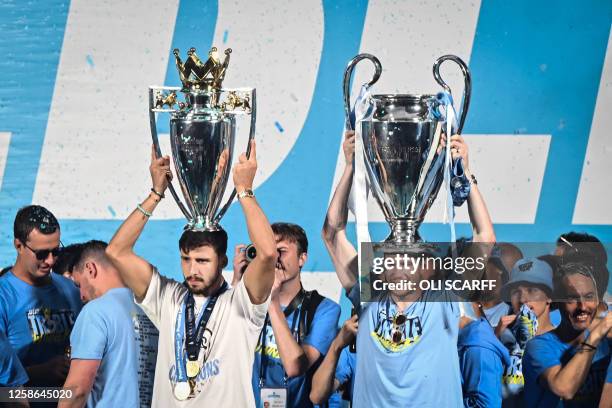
point(547, 350)
point(12, 373)
point(37, 320)
point(228, 347)
point(114, 330)
point(322, 332)
point(412, 361)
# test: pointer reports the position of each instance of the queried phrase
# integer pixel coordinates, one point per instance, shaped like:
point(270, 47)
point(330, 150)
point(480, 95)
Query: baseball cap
point(530, 271)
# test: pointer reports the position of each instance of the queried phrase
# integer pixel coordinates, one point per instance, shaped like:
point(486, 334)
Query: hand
point(240, 263)
point(347, 333)
point(244, 171)
point(503, 324)
point(459, 149)
point(348, 146)
point(599, 328)
point(279, 278)
point(160, 171)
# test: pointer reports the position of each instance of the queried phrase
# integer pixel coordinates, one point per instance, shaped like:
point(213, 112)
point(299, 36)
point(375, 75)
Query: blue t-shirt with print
point(110, 329)
point(12, 373)
point(415, 362)
point(37, 320)
point(547, 350)
point(322, 331)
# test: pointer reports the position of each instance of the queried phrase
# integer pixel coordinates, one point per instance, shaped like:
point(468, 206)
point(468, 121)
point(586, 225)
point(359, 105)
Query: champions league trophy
point(202, 134)
point(404, 151)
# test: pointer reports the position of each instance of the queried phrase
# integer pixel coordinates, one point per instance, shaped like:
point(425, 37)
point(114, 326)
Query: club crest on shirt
point(397, 332)
point(49, 325)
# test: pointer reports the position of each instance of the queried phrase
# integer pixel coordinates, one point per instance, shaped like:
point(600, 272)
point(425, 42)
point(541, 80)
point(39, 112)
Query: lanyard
point(184, 329)
point(293, 308)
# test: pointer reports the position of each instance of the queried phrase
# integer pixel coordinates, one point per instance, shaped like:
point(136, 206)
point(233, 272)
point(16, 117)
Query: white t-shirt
point(226, 357)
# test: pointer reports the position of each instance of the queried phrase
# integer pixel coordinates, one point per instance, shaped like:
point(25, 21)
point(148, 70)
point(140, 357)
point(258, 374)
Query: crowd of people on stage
point(101, 321)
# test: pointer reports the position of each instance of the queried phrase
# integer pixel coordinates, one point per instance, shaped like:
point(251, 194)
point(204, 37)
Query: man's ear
point(223, 261)
point(302, 259)
point(17, 244)
point(92, 269)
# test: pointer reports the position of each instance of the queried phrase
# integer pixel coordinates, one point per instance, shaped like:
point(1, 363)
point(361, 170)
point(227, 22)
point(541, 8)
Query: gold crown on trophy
point(196, 74)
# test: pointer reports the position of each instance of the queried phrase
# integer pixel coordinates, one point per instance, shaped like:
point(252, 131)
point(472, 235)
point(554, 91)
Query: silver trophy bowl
point(202, 136)
point(403, 146)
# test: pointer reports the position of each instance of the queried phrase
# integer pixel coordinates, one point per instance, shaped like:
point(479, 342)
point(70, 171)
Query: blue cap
point(530, 271)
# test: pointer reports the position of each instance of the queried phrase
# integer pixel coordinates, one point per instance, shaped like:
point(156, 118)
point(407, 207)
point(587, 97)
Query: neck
point(111, 283)
point(289, 290)
point(568, 334)
point(212, 289)
point(544, 324)
point(403, 301)
point(23, 275)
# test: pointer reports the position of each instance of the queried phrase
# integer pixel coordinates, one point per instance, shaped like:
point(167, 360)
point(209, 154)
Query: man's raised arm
point(259, 275)
point(341, 251)
point(135, 271)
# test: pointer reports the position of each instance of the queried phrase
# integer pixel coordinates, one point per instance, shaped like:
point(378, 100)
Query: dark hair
point(34, 217)
point(588, 249)
point(67, 258)
point(573, 268)
point(194, 239)
point(292, 233)
point(90, 249)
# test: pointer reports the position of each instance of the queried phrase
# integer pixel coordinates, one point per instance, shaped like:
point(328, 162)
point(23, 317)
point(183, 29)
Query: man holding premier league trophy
point(207, 330)
point(407, 340)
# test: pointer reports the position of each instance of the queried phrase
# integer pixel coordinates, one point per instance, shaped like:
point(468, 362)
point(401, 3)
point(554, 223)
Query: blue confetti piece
point(225, 34)
point(279, 127)
point(110, 209)
point(89, 60)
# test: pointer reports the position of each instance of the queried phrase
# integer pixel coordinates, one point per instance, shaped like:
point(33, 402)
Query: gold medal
point(182, 390)
point(193, 368)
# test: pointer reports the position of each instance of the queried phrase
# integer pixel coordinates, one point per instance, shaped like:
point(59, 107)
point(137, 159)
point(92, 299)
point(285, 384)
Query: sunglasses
point(42, 254)
point(396, 332)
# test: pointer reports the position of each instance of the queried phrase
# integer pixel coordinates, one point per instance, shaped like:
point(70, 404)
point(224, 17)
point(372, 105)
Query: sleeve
point(255, 314)
point(89, 337)
point(344, 369)
point(324, 326)
point(539, 357)
point(12, 373)
point(354, 296)
point(160, 289)
point(481, 371)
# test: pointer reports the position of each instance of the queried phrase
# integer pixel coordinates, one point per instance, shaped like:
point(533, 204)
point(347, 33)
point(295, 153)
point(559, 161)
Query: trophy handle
point(225, 207)
point(350, 122)
point(153, 125)
point(467, 80)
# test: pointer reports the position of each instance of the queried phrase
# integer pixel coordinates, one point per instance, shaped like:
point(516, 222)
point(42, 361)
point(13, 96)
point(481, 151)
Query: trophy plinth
point(202, 134)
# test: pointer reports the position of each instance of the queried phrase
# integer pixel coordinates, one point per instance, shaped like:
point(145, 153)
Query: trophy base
point(202, 225)
point(403, 232)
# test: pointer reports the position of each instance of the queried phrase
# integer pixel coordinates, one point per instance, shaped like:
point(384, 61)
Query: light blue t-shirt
point(37, 320)
point(414, 363)
point(114, 330)
point(12, 373)
point(345, 372)
point(547, 350)
point(322, 332)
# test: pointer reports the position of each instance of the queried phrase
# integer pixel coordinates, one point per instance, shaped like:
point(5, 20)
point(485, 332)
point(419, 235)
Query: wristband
point(246, 193)
point(160, 195)
point(142, 210)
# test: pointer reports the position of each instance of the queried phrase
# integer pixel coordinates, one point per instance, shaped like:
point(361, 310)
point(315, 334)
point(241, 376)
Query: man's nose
point(50, 259)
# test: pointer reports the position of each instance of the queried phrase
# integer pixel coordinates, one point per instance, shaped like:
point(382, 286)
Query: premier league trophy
point(404, 151)
point(202, 134)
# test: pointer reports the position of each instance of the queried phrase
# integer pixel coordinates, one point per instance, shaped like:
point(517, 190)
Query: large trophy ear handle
point(230, 199)
point(153, 126)
point(467, 89)
point(350, 121)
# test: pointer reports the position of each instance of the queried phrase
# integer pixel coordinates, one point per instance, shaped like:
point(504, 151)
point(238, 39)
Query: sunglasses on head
point(42, 254)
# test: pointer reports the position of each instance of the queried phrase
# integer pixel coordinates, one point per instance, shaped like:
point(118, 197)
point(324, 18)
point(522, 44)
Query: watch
point(245, 193)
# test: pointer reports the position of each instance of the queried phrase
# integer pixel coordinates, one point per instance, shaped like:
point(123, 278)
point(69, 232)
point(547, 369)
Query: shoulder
point(327, 305)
